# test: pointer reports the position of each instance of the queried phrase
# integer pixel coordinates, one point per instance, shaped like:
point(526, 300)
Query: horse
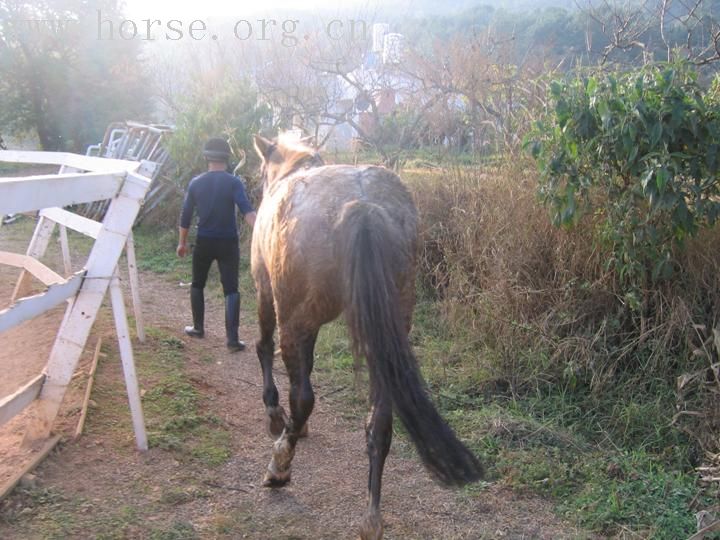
point(332, 239)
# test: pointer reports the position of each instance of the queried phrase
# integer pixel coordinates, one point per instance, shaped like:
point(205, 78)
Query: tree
point(467, 90)
point(215, 105)
point(59, 80)
point(654, 29)
point(299, 96)
point(479, 76)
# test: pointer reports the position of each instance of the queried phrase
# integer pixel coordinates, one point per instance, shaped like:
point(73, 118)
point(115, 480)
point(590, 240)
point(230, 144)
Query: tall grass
point(540, 307)
point(535, 354)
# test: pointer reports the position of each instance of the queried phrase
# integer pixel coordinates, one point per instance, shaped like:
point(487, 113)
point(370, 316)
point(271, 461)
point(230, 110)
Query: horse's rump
point(300, 239)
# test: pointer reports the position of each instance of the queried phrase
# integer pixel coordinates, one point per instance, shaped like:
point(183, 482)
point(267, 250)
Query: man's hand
point(250, 218)
point(182, 248)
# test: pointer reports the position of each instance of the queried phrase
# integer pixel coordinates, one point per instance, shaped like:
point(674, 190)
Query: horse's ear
point(262, 146)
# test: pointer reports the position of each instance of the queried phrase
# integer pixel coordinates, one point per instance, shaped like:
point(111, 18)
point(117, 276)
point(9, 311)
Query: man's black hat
point(217, 149)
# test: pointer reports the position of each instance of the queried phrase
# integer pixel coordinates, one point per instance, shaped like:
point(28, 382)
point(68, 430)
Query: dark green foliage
point(226, 107)
point(640, 151)
point(635, 492)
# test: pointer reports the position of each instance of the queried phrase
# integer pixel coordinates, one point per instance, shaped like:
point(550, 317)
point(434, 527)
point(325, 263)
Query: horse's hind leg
point(378, 433)
point(266, 351)
point(297, 352)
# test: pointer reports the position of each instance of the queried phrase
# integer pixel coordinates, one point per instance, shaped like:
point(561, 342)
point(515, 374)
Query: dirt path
point(24, 352)
point(102, 484)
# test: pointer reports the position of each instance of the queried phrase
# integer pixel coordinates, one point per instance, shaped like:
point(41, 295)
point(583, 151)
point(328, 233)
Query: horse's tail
point(372, 253)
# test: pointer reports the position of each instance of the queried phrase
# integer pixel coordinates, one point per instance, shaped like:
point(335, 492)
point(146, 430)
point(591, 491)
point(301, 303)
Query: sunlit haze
point(137, 9)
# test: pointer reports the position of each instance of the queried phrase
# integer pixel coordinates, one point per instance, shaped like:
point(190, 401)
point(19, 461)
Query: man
point(214, 195)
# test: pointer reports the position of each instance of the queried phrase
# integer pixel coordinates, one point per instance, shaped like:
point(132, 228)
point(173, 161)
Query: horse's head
point(281, 157)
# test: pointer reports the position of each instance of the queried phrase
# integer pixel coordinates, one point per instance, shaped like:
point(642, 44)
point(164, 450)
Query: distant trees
point(327, 83)
point(491, 66)
point(61, 82)
point(466, 93)
point(302, 93)
point(643, 31)
point(483, 85)
point(589, 31)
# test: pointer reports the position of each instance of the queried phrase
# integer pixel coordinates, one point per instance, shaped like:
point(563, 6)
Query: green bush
point(227, 107)
point(639, 150)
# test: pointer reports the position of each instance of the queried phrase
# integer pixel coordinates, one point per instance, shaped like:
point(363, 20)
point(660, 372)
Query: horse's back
point(300, 224)
point(332, 186)
point(319, 198)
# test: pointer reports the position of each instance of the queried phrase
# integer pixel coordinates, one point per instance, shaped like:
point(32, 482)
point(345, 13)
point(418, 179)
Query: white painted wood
point(36, 249)
point(42, 272)
point(13, 259)
point(135, 287)
point(35, 192)
point(32, 306)
point(73, 221)
point(35, 267)
point(74, 332)
point(118, 181)
point(14, 404)
point(128, 363)
point(134, 190)
point(147, 168)
point(40, 239)
point(30, 267)
point(67, 169)
point(77, 161)
point(65, 249)
point(91, 228)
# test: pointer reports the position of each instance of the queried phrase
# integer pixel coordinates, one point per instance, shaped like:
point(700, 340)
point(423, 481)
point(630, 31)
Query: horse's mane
point(293, 155)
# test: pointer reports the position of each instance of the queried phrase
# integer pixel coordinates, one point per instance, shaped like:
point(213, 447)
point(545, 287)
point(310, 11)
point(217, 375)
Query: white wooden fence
point(81, 179)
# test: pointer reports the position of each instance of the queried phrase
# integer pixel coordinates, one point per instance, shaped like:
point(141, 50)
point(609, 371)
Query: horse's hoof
point(276, 421)
point(371, 527)
point(275, 480)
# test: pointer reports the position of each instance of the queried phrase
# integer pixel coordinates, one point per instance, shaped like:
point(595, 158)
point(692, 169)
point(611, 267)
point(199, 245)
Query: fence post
point(135, 288)
point(36, 249)
point(73, 335)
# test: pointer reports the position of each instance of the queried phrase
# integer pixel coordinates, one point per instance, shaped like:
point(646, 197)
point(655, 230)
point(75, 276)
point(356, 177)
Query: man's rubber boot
point(232, 321)
point(197, 304)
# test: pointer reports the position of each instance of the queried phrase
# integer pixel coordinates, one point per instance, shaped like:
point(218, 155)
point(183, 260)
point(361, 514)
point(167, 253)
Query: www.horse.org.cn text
point(286, 32)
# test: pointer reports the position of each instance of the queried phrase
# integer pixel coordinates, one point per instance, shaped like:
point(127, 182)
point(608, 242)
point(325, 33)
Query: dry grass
point(543, 321)
point(538, 300)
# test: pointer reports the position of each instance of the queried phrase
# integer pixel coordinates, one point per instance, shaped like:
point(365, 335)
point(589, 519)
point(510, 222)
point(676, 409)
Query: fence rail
point(82, 179)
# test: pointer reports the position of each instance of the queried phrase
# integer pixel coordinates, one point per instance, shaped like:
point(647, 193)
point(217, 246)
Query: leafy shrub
point(226, 107)
point(640, 151)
